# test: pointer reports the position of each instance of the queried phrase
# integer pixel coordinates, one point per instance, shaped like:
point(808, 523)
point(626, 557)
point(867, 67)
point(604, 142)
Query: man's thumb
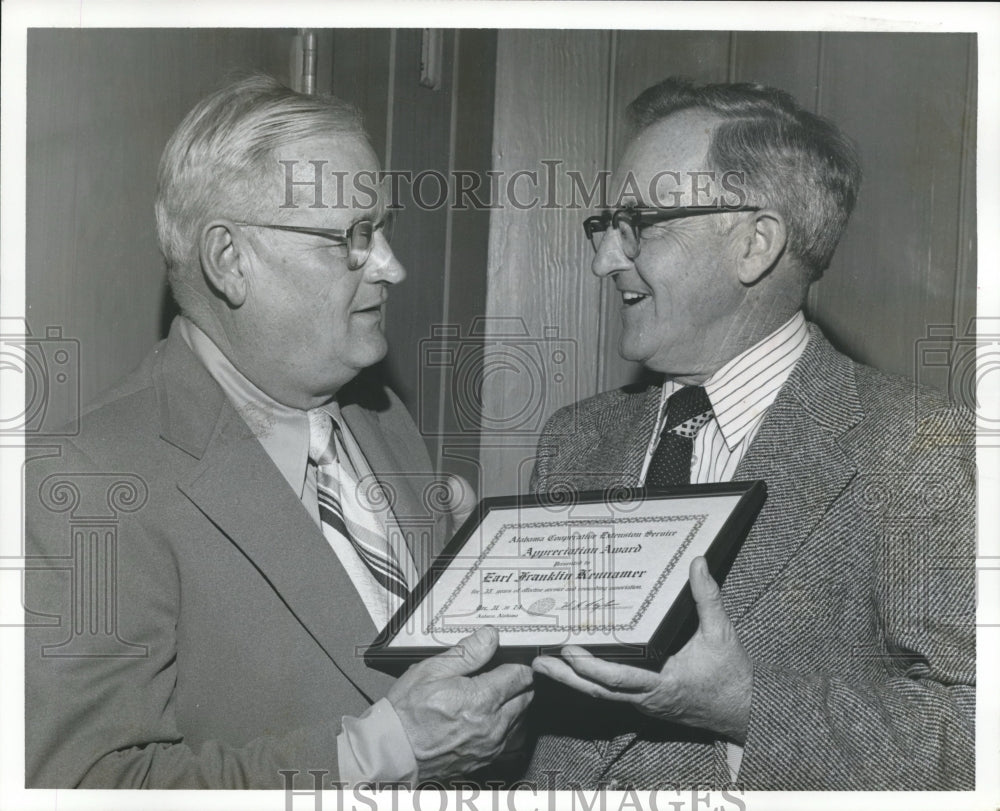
point(470, 653)
point(707, 597)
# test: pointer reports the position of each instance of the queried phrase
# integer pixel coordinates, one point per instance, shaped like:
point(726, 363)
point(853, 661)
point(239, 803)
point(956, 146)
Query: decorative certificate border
point(437, 626)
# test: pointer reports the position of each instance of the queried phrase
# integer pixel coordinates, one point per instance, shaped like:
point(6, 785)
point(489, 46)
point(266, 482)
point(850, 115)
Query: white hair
point(217, 162)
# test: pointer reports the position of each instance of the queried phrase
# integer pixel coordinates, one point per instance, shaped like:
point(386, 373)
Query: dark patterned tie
point(342, 513)
point(688, 409)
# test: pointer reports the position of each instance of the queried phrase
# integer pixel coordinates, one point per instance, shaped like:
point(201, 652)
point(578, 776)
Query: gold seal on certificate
point(605, 570)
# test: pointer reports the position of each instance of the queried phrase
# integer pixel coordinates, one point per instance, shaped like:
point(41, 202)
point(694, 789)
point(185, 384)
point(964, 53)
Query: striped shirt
point(740, 393)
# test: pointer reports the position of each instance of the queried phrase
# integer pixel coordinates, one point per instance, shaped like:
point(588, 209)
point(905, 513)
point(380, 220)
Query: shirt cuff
point(374, 748)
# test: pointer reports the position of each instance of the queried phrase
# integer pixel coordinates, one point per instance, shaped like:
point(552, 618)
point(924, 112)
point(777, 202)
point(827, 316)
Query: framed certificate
point(606, 570)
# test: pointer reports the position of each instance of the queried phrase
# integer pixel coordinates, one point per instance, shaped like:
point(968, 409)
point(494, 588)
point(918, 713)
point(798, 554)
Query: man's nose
point(610, 257)
point(382, 264)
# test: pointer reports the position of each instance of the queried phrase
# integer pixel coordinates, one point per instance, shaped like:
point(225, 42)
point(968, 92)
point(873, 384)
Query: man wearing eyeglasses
point(840, 653)
point(276, 520)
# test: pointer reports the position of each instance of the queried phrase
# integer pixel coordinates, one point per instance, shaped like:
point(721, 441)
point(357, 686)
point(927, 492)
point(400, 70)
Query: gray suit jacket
point(853, 593)
point(189, 625)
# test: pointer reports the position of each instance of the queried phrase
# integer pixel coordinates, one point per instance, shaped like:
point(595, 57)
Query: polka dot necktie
point(688, 409)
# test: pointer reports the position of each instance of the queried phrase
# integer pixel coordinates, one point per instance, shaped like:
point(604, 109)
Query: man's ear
point(223, 261)
point(763, 247)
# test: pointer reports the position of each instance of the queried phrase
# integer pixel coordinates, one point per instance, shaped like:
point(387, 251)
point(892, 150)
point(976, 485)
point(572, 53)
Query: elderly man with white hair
point(277, 517)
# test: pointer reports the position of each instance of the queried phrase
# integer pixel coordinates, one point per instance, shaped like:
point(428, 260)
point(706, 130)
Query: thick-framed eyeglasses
point(629, 222)
point(359, 238)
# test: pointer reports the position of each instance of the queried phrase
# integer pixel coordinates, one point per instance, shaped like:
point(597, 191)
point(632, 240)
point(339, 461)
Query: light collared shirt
point(740, 393)
point(373, 747)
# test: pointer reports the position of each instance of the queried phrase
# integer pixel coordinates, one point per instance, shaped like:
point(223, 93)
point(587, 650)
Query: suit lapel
point(236, 485)
point(797, 452)
point(617, 448)
point(636, 440)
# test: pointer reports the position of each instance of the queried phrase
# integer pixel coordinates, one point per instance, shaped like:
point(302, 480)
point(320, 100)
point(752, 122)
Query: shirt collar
point(283, 431)
point(745, 387)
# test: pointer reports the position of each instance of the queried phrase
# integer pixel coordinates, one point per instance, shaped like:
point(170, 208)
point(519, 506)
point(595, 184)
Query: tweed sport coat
point(235, 644)
point(853, 593)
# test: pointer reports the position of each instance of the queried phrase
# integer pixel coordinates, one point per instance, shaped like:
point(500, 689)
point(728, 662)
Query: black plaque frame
point(673, 631)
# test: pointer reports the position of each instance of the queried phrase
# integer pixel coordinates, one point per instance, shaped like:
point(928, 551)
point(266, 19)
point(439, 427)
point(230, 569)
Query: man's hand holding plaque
point(707, 684)
point(457, 716)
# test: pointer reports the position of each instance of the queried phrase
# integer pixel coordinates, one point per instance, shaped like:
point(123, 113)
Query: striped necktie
point(343, 510)
point(688, 409)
